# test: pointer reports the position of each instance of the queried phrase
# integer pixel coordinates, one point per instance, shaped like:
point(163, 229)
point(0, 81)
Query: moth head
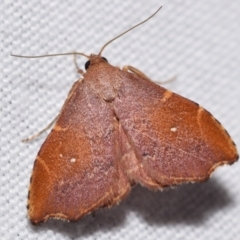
point(94, 59)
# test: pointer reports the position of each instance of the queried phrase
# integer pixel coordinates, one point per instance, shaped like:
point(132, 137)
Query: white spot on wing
point(173, 129)
point(73, 160)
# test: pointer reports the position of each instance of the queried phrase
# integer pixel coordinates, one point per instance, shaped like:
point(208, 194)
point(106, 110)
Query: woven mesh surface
point(199, 41)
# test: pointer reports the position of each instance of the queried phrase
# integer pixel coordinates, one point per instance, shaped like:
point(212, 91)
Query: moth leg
point(141, 74)
point(42, 131)
point(136, 71)
point(55, 119)
point(79, 70)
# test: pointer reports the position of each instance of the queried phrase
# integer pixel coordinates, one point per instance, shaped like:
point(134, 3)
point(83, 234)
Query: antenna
point(104, 46)
point(128, 30)
point(52, 55)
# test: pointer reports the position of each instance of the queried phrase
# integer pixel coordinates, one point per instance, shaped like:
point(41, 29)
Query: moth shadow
point(189, 204)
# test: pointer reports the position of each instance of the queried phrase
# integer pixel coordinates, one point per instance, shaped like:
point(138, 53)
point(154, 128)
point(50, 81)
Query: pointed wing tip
point(226, 162)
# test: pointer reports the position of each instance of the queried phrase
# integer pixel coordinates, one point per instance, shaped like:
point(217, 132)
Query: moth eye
point(87, 64)
point(105, 59)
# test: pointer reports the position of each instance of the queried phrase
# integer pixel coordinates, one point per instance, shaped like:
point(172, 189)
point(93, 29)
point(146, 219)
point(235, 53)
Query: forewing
point(173, 139)
point(77, 170)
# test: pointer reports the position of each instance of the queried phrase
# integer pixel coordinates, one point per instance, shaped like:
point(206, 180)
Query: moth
point(117, 128)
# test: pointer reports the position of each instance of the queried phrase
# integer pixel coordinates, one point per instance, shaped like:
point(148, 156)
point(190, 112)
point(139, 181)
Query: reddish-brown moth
point(117, 128)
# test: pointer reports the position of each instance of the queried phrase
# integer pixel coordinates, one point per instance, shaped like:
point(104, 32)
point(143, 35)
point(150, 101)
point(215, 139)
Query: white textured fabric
point(199, 41)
